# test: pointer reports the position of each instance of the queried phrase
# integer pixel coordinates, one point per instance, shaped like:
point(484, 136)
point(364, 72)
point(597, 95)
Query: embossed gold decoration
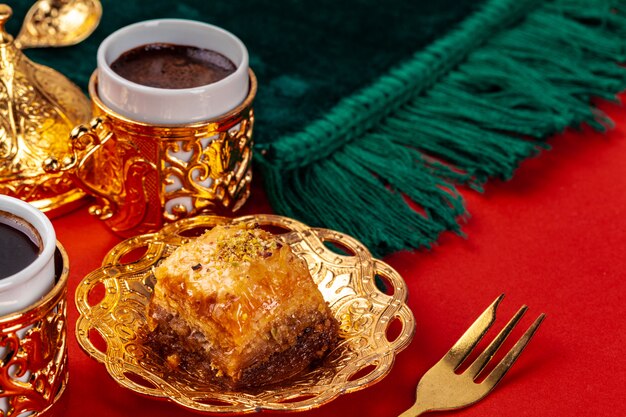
point(55, 23)
point(38, 109)
point(33, 350)
point(347, 281)
point(145, 175)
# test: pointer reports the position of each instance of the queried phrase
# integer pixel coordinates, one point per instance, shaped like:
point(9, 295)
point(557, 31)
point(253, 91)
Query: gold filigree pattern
point(347, 281)
point(38, 109)
point(144, 175)
point(33, 350)
point(215, 175)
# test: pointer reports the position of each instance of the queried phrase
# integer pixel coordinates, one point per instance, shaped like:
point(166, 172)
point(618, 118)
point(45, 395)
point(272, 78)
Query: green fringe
point(384, 163)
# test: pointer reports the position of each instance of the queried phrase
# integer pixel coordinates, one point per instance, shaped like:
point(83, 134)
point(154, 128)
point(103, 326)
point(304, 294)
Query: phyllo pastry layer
point(237, 306)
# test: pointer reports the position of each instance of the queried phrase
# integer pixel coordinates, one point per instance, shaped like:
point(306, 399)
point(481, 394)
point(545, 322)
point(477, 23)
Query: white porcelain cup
point(172, 106)
point(35, 280)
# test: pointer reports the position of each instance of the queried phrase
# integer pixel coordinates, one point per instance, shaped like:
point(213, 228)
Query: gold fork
point(441, 388)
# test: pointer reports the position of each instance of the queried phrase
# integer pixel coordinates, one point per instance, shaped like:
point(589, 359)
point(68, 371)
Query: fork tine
point(464, 346)
point(505, 364)
point(483, 359)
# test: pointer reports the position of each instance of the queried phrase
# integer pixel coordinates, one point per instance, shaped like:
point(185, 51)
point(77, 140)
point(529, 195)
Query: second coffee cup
point(152, 154)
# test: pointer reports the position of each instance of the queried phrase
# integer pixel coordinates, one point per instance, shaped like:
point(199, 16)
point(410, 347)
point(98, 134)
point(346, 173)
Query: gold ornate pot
point(38, 109)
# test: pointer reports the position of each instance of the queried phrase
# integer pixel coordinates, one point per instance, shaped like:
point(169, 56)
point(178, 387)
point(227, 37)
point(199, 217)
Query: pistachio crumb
point(244, 246)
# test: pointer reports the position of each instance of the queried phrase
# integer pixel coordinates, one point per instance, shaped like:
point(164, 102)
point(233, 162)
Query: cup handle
point(85, 142)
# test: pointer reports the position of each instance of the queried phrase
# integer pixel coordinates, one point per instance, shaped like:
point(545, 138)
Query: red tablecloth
point(553, 238)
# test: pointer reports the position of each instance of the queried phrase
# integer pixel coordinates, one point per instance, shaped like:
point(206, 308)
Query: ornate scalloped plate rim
point(338, 290)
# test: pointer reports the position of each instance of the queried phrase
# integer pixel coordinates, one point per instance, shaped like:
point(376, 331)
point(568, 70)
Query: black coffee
point(164, 65)
point(17, 249)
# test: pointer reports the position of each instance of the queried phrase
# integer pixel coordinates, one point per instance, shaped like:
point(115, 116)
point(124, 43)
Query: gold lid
point(38, 109)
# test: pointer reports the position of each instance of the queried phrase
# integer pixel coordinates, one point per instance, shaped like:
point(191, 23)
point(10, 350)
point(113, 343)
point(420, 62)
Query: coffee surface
point(172, 66)
point(17, 250)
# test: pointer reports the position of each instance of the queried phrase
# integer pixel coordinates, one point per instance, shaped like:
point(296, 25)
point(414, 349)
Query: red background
point(554, 238)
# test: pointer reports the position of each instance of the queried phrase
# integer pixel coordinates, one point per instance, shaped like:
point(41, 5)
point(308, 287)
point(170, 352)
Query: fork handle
point(415, 410)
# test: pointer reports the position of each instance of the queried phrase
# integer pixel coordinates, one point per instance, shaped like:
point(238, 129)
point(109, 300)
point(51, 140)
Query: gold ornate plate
point(374, 324)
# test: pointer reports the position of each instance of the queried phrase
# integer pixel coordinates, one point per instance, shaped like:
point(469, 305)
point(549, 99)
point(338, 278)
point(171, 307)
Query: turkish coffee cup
point(153, 155)
point(27, 246)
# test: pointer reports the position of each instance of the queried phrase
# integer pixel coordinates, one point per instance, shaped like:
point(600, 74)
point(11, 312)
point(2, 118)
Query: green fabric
point(470, 106)
point(370, 114)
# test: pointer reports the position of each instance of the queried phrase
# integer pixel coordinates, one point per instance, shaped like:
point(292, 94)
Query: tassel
point(384, 164)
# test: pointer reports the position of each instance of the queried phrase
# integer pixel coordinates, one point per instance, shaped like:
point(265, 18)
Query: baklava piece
point(236, 306)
